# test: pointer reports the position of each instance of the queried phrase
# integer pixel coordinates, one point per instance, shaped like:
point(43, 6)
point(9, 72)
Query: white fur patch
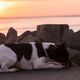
point(25, 64)
point(7, 58)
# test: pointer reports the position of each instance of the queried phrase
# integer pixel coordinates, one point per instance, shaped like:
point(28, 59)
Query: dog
point(33, 55)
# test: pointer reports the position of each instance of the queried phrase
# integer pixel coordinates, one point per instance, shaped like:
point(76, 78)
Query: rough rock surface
point(11, 36)
point(22, 36)
point(75, 40)
point(67, 36)
point(2, 38)
point(29, 38)
point(51, 32)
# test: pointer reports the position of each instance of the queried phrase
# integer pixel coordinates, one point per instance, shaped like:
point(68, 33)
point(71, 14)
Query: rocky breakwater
point(48, 33)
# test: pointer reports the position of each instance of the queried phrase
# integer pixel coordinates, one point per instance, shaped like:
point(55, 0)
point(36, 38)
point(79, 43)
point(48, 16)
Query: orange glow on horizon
point(4, 6)
point(29, 8)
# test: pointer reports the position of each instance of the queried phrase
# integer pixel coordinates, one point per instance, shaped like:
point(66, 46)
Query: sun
point(4, 5)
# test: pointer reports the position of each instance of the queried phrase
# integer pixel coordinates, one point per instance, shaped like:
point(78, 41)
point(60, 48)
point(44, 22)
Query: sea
point(24, 24)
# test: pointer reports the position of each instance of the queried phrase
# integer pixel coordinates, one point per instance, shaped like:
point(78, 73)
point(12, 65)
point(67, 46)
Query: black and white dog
point(33, 55)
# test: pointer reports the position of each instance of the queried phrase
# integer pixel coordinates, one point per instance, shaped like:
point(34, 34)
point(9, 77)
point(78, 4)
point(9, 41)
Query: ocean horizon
point(24, 24)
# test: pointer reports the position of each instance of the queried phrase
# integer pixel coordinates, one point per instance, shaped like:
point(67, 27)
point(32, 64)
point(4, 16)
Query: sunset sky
point(38, 8)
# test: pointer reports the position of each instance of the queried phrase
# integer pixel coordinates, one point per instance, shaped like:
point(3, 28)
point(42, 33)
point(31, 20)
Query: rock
point(72, 39)
point(22, 36)
point(67, 36)
point(74, 55)
point(72, 52)
point(2, 38)
point(51, 32)
point(76, 59)
point(30, 38)
point(75, 40)
point(11, 36)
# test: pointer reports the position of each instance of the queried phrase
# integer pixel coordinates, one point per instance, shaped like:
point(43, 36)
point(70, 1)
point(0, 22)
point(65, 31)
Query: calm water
point(24, 24)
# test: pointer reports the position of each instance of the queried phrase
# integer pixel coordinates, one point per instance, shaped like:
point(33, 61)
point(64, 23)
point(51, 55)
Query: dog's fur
point(33, 55)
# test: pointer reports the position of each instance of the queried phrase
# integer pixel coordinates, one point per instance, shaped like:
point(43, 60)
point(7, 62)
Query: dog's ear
point(52, 47)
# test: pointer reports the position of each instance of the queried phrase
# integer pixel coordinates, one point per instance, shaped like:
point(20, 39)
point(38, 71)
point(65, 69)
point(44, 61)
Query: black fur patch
point(51, 52)
point(59, 54)
point(63, 55)
point(21, 50)
point(40, 49)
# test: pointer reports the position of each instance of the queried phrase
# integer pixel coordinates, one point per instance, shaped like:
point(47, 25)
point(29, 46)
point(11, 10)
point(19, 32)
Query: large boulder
point(22, 36)
point(67, 36)
point(75, 40)
point(2, 38)
point(11, 36)
point(74, 55)
point(29, 38)
point(76, 59)
point(51, 32)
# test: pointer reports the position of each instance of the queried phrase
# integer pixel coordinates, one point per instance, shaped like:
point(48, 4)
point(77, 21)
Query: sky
point(38, 8)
